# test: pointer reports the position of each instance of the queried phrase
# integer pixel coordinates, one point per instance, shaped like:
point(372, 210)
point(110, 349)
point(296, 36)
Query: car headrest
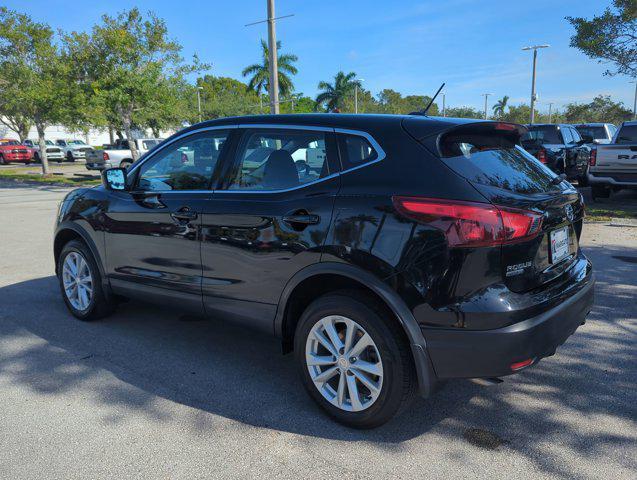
point(280, 171)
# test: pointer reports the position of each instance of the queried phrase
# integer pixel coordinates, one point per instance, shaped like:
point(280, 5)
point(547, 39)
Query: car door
point(268, 219)
point(152, 233)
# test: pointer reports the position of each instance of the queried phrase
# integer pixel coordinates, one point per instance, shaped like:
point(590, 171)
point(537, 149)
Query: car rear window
point(593, 132)
point(627, 134)
point(494, 159)
point(542, 134)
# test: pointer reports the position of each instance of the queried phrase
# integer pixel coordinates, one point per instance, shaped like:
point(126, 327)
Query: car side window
point(356, 150)
point(575, 134)
point(187, 164)
point(566, 135)
point(277, 159)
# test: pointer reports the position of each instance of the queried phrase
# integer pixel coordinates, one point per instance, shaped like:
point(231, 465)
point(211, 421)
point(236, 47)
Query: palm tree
point(261, 71)
point(334, 95)
point(498, 108)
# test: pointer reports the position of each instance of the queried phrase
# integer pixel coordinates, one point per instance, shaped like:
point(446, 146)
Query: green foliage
point(610, 37)
point(260, 72)
point(463, 112)
point(333, 95)
point(224, 97)
point(601, 109)
point(500, 106)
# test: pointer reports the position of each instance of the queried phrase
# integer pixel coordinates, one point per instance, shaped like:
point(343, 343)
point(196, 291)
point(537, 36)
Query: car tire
point(2, 160)
point(70, 157)
point(94, 304)
point(388, 354)
point(36, 157)
point(600, 191)
point(582, 181)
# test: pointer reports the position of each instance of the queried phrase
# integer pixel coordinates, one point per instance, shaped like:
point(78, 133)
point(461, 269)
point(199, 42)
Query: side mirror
point(114, 179)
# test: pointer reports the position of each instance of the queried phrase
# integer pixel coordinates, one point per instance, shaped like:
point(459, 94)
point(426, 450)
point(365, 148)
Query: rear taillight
point(593, 158)
point(105, 156)
point(541, 155)
point(469, 224)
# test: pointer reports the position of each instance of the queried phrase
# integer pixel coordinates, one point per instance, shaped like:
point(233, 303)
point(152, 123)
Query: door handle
point(301, 219)
point(184, 214)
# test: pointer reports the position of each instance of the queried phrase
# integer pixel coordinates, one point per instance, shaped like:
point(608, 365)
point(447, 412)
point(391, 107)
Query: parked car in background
point(388, 252)
point(560, 147)
point(73, 149)
point(596, 133)
point(615, 165)
point(119, 154)
point(12, 151)
point(53, 152)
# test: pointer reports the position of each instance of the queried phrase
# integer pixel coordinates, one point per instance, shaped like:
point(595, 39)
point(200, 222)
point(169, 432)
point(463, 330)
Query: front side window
point(279, 159)
point(187, 164)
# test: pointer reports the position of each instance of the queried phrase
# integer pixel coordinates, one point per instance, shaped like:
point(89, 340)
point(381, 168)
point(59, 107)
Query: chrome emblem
point(569, 213)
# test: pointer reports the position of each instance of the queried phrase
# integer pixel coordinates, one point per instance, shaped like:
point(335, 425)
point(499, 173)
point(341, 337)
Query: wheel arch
point(70, 231)
point(321, 278)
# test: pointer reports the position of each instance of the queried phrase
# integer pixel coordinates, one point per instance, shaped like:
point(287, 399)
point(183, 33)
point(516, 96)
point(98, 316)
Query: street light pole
point(444, 113)
point(550, 108)
point(486, 96)
point(274, 69)
point(533, 96)
point(199, 89)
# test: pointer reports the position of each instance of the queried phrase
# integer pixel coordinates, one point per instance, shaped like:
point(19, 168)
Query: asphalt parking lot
point(149, 394)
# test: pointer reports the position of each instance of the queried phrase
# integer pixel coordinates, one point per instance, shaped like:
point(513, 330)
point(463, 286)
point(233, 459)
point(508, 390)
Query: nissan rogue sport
point(387, 252)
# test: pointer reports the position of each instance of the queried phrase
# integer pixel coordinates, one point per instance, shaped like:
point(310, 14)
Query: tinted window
point(627, 134)
point(566, 135)
point(279, 159)
point(542, 134)
point(575, 134)
point(357, 151)
point(593, 132)
point(494, 159)
point(187, 164)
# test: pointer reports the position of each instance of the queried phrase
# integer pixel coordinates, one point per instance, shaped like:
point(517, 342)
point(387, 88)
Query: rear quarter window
point(494, 159)
point(356, 150)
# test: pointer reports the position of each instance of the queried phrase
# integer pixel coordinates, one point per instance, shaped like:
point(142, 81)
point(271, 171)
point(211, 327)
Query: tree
point(224, 97)
point(334, 94)
point(610, 37)
point(391, 101)
point(260, 80)
point(31, 72)
point(131, 67)
point(601, 109)
point(463, 112)
point(498, 108)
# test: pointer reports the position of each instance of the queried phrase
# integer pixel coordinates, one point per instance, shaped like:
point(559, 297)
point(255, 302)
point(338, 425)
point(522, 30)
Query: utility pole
point(359, 81)
point(533, 95)
point(199, 89)
point(550, 109)
point(635, 101)
point(486, 96)
point(273, 56)
point(444, 112)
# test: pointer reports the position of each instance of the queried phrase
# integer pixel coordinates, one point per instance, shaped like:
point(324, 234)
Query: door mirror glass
point(114, 179)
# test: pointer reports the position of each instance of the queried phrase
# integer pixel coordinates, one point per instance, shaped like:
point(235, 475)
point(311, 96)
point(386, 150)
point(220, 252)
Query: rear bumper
point(613, 179)
point(490, 353)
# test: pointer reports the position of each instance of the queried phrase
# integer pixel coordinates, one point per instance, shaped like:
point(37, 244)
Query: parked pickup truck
point(119, 154)
point(615, 165)
point(73, 149)
point(53, 152)
point(13, 151)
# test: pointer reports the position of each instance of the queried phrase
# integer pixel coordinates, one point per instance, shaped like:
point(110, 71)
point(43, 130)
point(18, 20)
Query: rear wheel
point(600, 191)
point(2, 160)
point(80, 283)
point(352, 363)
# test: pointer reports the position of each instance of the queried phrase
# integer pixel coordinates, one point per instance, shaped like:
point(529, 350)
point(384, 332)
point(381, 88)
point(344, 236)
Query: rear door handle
point(184, 214)
point(302, 219)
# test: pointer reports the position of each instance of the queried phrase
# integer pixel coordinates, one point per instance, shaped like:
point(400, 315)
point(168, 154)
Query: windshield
point(495, 160)
point(76, 142)
point(9, 142)
point(48, 142)
point(593, 132)
point(627, 134)
point(542, 134)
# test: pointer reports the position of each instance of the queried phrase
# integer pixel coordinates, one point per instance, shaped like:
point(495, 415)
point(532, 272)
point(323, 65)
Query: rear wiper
point(558, 179)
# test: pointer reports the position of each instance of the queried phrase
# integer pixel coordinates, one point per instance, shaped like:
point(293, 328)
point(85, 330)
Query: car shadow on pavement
point(143, 353)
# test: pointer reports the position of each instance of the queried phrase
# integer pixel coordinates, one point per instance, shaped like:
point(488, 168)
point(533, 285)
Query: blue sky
point(409, 46)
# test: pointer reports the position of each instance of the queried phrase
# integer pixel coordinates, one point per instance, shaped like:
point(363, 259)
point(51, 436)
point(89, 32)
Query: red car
point(13, 151)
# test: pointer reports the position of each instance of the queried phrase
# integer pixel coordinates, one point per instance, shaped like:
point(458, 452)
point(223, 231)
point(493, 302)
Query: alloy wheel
point(77, 281)
point(344, 363)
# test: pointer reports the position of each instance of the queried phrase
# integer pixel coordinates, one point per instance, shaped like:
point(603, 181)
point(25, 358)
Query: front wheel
point(352, 362)
point(70, 157)
point(80, 283)
point(2, 160)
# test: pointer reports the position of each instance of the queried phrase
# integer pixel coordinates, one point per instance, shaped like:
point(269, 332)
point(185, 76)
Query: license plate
point(558, 240)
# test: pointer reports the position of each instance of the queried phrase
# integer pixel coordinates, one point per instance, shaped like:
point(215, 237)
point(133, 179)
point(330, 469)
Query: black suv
point(561, 148)
point(388, 252)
